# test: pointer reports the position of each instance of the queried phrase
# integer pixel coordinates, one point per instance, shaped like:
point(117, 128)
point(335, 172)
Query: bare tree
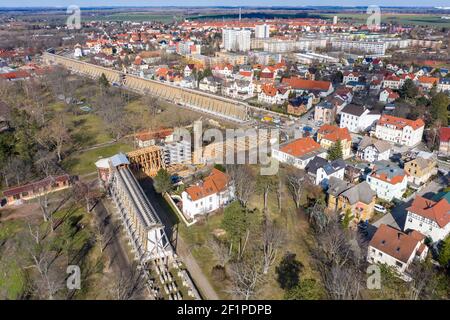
point(50, 280)
point(84, 192)
point(220, 250)
point(338, 258)
point(59, 135)
point(127, 285)
point(111, 110)
point(243, 181)
point(246, 277)
point(423, 280)
point(297, 180)
point(272, 241)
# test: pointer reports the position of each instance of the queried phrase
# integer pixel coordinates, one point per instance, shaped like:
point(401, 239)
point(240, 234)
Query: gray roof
point(388, 168)
point(314, 164)
point(422, 162)
point(380, 145)
point(311, 154)
point(119, 159)
point(359, 193)
point(334, 166)
point(336, 186)
point(354, 109)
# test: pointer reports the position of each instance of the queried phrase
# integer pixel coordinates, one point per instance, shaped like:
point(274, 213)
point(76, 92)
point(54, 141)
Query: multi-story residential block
point(299, 152)
point(177, 152)
point(431, 218)
point(376, 47)
point(399, 130)
point(444, 141)
point(371, 149)
point(262, 31)
point(328, 135)
point(396, 249)
point(388, 180)
point(420, 170)
point(214, 192)
point(236, 39)
point(358, 118)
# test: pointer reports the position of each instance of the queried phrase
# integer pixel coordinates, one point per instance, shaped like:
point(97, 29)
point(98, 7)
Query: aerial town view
point(219, 150)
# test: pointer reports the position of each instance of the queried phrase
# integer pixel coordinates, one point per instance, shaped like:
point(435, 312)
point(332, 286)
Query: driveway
point(397, 217)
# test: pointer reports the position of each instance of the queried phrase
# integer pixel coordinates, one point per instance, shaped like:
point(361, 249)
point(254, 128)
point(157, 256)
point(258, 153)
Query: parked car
point(379, 208)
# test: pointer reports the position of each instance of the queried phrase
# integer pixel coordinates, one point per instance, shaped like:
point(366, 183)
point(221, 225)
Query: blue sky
point(65, 3)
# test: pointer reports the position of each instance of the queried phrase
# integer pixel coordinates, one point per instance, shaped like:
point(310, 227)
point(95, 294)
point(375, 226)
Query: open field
point(404, 19)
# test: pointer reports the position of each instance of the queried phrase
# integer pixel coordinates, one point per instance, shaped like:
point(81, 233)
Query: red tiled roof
point(334, 133)
point(155, 134)
point(298, 83)
point(35, 186)
point(444, 134)
point(20, 74)
point(300, 147)
point(394, 242)
point(383, 176)
point(216, 182)
point(429, 80)
point(400, 123)
point(438, 212)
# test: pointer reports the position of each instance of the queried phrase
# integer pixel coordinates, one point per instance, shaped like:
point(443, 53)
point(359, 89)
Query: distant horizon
point(23, 4)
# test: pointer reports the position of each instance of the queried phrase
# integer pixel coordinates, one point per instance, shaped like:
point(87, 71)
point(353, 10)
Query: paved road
point(396, 218)
point(181, 248)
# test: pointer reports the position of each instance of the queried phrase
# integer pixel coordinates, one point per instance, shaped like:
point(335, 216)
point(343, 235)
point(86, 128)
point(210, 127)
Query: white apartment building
point(399, 130)
point(374, 47)
point(396, 249)
point(284, 45)
point(262, 31)
point(388, 180)
point(357, 118)
point(236, 39)
point(429, 217)
point(177, 152)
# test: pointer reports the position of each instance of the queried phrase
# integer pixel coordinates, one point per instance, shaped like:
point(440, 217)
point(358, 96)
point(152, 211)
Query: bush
point(218, 273)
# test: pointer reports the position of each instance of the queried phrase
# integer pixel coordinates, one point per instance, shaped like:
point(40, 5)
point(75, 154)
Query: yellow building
point(328, 135)
point(420, 170)
point(360, 199)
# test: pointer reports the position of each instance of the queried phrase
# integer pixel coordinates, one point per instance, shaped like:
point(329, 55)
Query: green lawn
point(83, 163)
point(88, 130)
